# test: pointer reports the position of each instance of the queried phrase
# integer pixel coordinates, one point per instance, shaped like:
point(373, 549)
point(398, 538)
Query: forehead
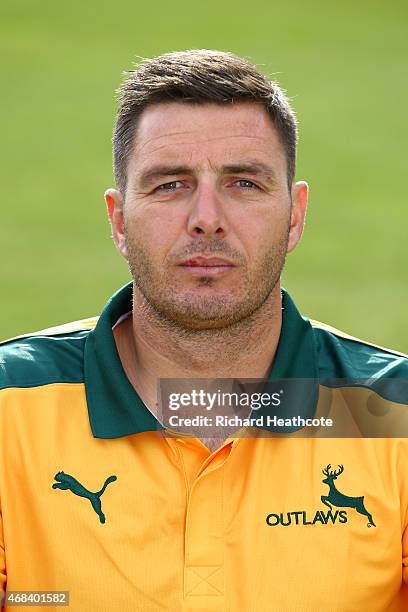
point(195, 133)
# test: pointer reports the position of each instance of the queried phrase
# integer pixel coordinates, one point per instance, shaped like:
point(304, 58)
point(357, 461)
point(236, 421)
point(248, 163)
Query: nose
point(207, 216)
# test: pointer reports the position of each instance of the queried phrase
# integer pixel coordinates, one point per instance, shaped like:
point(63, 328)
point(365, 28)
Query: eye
point(170, 186)
point(245, 184)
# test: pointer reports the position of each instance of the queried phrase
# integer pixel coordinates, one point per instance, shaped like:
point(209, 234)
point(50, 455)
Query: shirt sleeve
point(404, 539)
point(405, 555)
point(3, 575)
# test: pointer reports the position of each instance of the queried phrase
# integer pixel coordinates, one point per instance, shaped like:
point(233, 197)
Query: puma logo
point(65, 481)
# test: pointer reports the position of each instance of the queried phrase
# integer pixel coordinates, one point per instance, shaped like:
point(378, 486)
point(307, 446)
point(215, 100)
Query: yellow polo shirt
point(96, 500)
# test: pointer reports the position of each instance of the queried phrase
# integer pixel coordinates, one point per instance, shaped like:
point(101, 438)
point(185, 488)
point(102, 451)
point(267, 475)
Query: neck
point(150, 348)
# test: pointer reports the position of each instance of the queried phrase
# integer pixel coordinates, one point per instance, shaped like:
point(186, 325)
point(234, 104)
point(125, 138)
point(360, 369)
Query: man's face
point(208, 216)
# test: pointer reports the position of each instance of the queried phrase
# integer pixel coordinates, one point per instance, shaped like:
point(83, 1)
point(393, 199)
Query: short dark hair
point(196, 77)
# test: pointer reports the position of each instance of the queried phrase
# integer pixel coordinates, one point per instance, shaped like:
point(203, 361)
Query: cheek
point(153, 231)
point(259, 233)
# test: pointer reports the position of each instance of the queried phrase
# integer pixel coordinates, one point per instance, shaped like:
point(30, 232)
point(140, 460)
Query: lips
point(207, 266)
point(207, 262)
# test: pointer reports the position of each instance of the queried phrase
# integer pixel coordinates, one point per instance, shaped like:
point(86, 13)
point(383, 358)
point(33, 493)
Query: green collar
point(114, 407)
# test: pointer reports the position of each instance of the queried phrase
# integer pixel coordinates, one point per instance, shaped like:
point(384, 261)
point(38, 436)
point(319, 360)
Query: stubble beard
point(172, 306)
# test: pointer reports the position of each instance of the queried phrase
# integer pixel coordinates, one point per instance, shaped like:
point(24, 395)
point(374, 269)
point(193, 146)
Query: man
point(99, 495)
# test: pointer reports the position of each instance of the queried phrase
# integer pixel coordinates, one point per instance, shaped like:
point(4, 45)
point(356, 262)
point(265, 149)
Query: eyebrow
point(149, 176)
point(253, 168)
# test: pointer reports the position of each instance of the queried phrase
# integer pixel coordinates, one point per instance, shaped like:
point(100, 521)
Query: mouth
point(207, 266)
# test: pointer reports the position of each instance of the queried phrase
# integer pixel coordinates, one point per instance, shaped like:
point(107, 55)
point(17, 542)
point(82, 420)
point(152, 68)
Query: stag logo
point(335, 498)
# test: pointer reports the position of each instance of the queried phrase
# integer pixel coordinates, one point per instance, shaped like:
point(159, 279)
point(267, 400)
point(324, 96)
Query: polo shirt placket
point(204, 557)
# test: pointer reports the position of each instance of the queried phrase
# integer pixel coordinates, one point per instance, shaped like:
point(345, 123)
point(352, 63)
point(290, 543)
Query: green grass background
point(344, 65)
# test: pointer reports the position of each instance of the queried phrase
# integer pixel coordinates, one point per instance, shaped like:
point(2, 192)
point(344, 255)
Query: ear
point(299, 205)
point(114, 205)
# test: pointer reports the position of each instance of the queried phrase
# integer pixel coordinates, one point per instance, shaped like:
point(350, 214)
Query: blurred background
point(344, 66)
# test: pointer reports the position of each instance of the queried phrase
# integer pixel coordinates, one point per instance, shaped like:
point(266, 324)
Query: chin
point(202, 318)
